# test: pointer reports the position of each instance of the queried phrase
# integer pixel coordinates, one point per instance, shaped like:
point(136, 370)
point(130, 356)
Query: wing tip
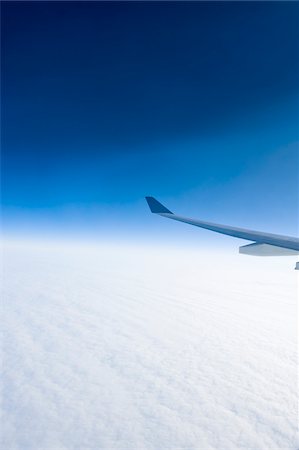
point(156, 207)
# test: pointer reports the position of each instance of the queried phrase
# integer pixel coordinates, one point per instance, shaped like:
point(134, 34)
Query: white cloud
point(142, 348)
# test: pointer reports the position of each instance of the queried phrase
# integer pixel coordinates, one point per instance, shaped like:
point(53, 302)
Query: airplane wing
point(264, 244)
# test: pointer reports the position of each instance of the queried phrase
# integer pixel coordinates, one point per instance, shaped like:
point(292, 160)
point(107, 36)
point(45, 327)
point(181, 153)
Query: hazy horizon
point(105, 102)
point(123, 330)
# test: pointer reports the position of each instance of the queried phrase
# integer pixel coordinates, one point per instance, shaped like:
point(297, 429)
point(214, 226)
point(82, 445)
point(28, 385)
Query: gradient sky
point(104, 103)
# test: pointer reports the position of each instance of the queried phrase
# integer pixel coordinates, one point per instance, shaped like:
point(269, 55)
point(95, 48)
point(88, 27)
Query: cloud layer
point(142, 348)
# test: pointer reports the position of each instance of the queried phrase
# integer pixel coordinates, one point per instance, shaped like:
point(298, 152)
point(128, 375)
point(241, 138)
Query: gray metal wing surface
point(264, 244)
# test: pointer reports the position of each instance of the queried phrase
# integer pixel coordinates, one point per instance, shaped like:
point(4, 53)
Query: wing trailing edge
point(264, 244)
point(256, 249)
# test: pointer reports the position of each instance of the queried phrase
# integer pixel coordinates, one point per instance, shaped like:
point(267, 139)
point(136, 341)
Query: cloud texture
point(142, 348)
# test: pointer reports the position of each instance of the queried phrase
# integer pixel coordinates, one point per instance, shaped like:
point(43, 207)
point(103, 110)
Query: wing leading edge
point(264, 244)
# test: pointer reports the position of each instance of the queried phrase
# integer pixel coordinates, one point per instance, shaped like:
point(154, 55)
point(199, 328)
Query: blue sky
point(104, 103)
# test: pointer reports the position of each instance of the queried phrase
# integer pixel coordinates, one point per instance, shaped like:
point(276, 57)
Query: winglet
point(156, 207)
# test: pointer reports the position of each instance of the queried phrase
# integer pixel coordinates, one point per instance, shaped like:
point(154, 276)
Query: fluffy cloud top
point(139, 348)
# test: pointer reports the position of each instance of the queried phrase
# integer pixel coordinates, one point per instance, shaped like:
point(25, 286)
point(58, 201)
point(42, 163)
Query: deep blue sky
point(103, 103)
